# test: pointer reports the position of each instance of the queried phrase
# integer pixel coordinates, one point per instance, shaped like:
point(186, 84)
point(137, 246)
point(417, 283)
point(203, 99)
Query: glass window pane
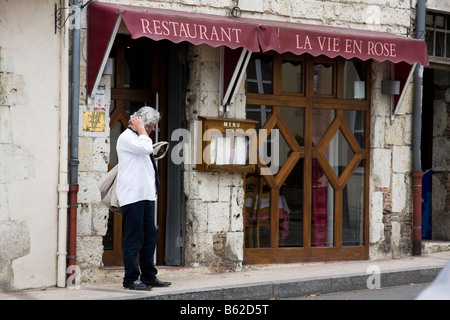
point(447, 52)
point(321, 119)
point(439, 21)
point(429, 39)
point(354, 80)
point(440, 44)
point(356, 122)
point(291, 208)
point(260, 74)
point(273, 152)
point(322, 208)
point(294, 118)
point(353, 209)
point(323, 78)
point(338, 153)
point(257, 212)
point(259, 113)
point(429, 20)
point(291, 76)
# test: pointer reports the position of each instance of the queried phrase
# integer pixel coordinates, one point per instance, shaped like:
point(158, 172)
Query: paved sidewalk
point(259, 281)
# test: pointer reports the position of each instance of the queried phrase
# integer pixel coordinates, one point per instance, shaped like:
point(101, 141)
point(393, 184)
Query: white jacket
point(136, 175)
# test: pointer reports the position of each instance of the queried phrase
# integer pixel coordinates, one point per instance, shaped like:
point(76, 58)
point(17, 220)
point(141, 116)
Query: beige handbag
point(107, 185)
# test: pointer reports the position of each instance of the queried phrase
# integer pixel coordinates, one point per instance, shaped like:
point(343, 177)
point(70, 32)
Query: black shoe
point(138, 285)
point(156, 283)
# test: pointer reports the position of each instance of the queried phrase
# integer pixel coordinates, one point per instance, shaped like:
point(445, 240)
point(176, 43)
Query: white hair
point(148, 115)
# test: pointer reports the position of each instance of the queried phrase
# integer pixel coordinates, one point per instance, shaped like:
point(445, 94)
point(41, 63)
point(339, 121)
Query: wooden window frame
point(308, 100)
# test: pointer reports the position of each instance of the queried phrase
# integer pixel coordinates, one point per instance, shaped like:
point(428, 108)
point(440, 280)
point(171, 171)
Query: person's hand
point(137, 125)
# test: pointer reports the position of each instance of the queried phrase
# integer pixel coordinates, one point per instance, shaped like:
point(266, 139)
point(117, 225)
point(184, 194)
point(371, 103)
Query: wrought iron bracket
point(60, 16)
point(72, 11)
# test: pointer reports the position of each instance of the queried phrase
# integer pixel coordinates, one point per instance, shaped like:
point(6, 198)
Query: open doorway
point(151, 73)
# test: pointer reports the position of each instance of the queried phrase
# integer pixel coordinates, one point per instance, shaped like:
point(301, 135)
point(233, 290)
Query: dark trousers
point(140, 237)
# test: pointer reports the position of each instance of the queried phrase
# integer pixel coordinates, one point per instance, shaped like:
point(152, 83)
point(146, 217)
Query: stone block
point(88, 191)
point(89, 252)
point(381, 168)
point(85, 153)
point(401, 159)
point(395, 132)
point(439, 118)
point(196, 216)
point(376, 232)
point(308, 10)
point(84, 220)
point(218, 216)
point(251, 5)
point(439, 193)
point(208, 183)
point(441, 225)
point(377, 133)
point(224, 194)
point(441, 151)
point(199, 249)
point(234, 245)
point(100, 215)
point(101, 149)
point(399, 187)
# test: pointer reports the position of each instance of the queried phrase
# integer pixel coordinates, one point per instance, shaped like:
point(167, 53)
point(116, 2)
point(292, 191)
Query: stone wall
point(441, 157)
point(214, 225)
point(92, 215)
point(391, 165)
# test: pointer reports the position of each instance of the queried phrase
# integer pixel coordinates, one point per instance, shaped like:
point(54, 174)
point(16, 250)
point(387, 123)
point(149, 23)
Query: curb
point(301, 287)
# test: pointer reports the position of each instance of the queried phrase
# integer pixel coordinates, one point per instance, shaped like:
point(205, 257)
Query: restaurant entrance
point(149, 73)
point(308, 199)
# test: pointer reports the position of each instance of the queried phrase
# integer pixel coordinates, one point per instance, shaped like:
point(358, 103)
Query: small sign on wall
point(228, 145)
point(94, 121)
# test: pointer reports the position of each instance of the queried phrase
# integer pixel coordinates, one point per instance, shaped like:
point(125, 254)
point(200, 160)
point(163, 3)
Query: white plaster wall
point(30, 50)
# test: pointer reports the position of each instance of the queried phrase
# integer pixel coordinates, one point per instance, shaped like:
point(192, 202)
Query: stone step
point(433, 246)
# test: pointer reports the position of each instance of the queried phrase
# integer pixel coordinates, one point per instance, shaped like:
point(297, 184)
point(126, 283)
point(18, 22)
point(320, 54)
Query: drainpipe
point(73, 161)
point(63, 185)
point(417, 131)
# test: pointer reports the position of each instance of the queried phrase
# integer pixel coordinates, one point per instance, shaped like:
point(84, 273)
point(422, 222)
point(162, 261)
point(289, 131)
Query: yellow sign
point(94, 121)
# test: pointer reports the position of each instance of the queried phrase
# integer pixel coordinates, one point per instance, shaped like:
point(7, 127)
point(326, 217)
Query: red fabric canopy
point(254, 35)
point(347, 43)
point(158, 24)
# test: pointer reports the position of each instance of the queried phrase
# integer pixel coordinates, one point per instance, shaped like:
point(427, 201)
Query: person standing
point(137, 187)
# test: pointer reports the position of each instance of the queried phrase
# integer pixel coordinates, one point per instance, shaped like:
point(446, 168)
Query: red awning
point(157, 24)
point(254, 35)
point(347, 43)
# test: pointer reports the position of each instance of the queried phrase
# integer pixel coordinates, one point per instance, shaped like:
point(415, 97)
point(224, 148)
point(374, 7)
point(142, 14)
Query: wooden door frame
point(119, 94)
point(309, 101)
